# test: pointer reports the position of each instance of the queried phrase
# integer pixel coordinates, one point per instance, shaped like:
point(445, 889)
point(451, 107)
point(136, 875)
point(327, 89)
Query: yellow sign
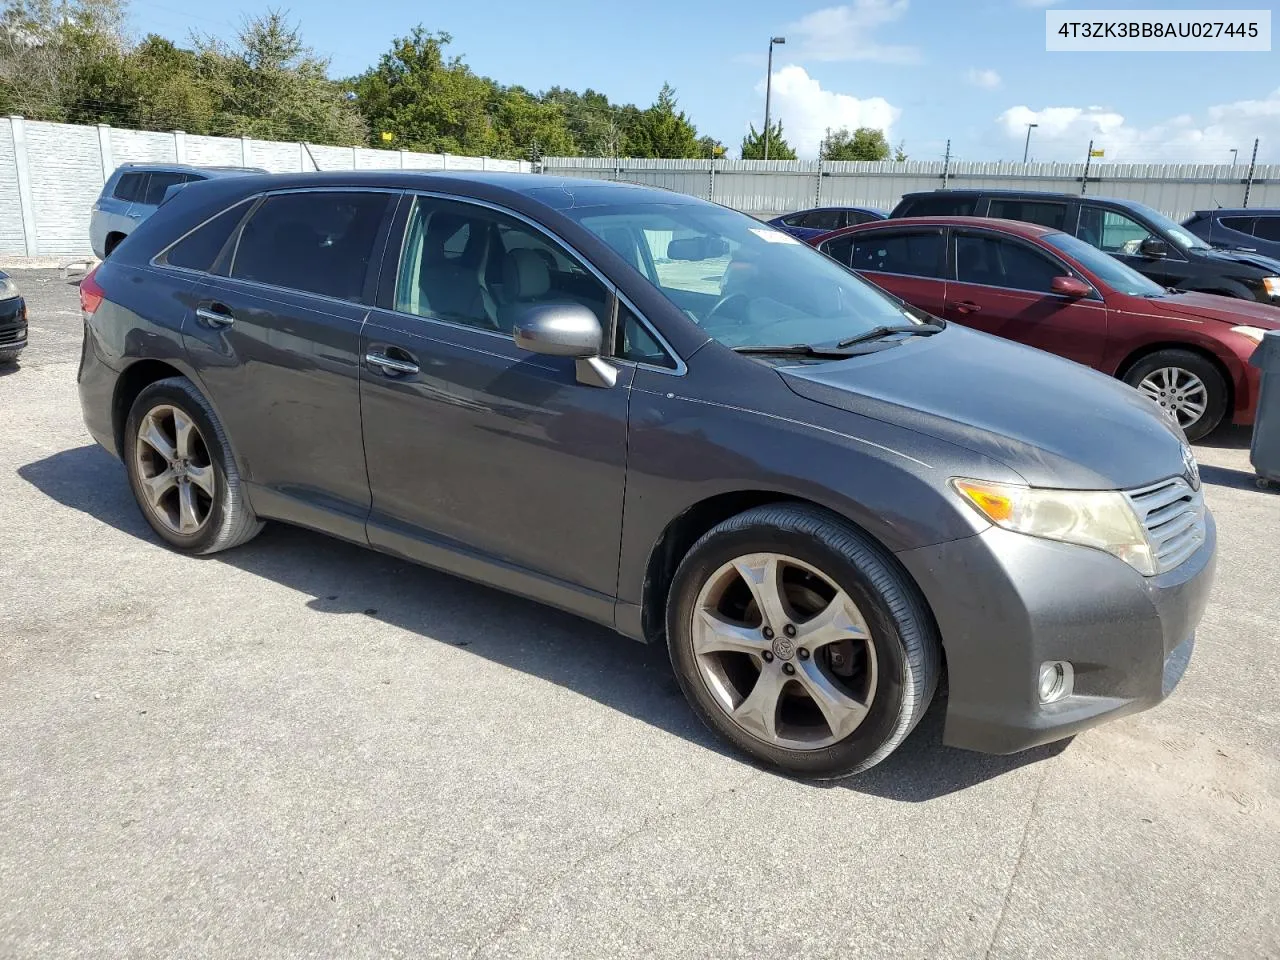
point(1092, 153)
point(386, 136)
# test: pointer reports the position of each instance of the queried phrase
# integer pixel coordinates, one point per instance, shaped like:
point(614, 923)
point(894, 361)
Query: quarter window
point(199, 250)
point(995, 262)
point(1030, 211)
point(912, 254)
point(1241, 224)
point(1111, 231)
point(319, 242)
point(477, 267)
point(636, 343)
point(1267, 228)
point(130, 187)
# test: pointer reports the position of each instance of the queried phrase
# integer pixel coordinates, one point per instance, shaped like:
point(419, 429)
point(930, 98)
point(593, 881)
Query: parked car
point(1189, 352)
point(1256, 230)
point(133, 193)
point(13, 320)
point(1133, 233)
point(811, 223)
point(809, 492)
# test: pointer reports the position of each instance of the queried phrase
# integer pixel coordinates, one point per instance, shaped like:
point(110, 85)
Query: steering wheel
point(722, 303)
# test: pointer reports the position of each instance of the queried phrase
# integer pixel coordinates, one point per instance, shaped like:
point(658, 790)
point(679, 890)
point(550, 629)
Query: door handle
point(210, 317)
point(391, 366)
point(966, 306)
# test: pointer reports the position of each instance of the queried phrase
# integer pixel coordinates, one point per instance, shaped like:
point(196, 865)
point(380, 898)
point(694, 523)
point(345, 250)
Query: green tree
point(900, 151)
point(663, 130)
point(709, 148)
point(779, 149)
point(865, 143)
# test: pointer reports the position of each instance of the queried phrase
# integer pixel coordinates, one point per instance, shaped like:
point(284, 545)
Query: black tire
point(231, 521)
point(1198, 365)
point(902, 629)
point(112, 241)
point(9, 356)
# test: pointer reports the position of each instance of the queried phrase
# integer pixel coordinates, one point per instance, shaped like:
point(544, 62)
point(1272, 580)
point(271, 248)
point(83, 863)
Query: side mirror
point(1153, 248)
point(566, 330)
point(1070, 287)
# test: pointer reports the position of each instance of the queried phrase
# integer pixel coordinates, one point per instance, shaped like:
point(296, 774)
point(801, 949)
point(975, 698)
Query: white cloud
point(847, 33)
point(986, 79)
point(1064, 132)
point(806, 110)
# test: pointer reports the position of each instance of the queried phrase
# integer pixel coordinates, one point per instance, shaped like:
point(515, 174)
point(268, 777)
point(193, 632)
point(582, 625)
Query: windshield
point(1179, 234)
point(1116, 275)
point(744, 282)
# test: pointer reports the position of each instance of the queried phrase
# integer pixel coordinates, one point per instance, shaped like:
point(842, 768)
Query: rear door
point(276, 342)
point(1002, 285)
point(909, 263)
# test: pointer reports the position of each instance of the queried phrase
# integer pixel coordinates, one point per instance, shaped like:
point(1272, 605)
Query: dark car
point(1243, 229)
point(808, 491)
point(1133, 233)
point(811, 223)
point(1187, 351)
point(13, 320)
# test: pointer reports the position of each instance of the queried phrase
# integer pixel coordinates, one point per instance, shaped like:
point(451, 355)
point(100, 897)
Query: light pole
point(1234, 151)
point(1027, 146)
point(768, 90)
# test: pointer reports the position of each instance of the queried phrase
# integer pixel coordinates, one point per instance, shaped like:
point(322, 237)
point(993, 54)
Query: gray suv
point(133, 193)
point(669, 418)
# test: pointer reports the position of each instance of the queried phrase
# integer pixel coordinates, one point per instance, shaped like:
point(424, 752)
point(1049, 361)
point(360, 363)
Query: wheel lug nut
point(789, 630)
point(768, 656)
point(802, 653)
point(768, 633)
point(788, 668)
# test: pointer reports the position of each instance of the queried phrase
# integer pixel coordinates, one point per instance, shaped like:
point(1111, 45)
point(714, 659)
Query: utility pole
point(768, 90)
point(946, 165)
point(1027, 146)
point(1248, 180)
point(1088, 159)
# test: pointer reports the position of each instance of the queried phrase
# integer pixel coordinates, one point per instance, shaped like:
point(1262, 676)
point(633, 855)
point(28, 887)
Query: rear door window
point(317, 242)
point(942, 205)
point(130, 187)
point(824, 220)
point(158, 184)
point(1267, 228)
point(1030, 211)
point(1242, 224)
point(916, 253)
point(995, 262)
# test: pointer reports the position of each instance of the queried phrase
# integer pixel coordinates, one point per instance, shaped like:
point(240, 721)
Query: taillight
point(90, 293)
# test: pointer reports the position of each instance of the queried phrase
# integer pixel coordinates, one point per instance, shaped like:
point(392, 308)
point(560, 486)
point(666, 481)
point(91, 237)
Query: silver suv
point(133, 192)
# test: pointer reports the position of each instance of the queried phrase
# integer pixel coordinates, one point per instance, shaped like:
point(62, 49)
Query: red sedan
point(1039, 286)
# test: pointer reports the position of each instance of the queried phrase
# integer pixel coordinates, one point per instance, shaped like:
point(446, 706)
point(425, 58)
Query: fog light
point(1056, 680)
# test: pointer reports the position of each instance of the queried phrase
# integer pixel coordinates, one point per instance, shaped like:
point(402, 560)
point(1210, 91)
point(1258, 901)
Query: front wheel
point(1188, 388)
point(801, 642)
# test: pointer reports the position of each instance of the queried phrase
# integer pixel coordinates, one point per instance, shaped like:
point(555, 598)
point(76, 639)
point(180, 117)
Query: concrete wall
point(780, 186)
point(51, 173)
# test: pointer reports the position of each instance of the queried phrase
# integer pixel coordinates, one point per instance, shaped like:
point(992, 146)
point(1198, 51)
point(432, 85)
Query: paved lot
point(302, 748)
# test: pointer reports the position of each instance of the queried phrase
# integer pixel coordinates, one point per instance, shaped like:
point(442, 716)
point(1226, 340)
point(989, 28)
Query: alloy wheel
point(784, 651)
point(174, 470)
point(1181, 394)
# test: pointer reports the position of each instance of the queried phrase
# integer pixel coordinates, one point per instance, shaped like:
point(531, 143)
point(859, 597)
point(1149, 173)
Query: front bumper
point(13, 325)
point(1005, 603)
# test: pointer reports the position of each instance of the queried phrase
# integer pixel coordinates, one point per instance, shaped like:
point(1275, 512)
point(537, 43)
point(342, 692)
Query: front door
point(482, 457)
point(1121, 236)
point(277, 342)
point(1003, 286)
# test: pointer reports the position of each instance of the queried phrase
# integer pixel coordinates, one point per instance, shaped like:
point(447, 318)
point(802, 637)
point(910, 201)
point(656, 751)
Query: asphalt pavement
point(302, 748)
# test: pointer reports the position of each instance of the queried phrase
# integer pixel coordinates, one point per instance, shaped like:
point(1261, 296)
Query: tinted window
point(635, 342)
point(1267, 228)
point(199, 249)
point(158, 184)
point(1003, 263)
point(840, 249)
point(859, 216)
point(793, 220)
point(913, 254)
point(1117, 275)
point(318, 242)
point(130, 186)
point(1111, 231)
point(941, 204)
point(470, 265)
point(1243, 224)
point(824, 220)
point(1030, 211)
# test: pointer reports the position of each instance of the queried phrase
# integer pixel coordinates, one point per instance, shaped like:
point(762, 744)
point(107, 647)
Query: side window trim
point(161, 258)
point(953, 269)
point(390, 270)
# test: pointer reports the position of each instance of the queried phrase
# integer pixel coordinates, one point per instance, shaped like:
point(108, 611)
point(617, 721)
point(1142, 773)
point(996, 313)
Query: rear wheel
point(112, 241)
point(1189, 389)
point(799, 641)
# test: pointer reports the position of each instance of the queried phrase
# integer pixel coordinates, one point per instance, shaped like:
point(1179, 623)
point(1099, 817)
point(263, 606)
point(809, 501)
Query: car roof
point(833, 206)
point(1018, 228)
point(1134, 205)
point(1240, 212)
point(184, 168)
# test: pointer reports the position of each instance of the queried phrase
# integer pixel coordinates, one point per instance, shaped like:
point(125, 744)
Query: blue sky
point(975, 71)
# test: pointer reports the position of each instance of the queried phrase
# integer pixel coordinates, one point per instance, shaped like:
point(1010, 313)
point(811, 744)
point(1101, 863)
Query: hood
point(1207, 306)
point(1242, 257)
point(1054, 422)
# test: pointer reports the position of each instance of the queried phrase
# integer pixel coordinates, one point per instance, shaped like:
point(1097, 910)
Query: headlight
point(8, 289)
point(1253, 333)
point(1272, 286)
point(1102, 519)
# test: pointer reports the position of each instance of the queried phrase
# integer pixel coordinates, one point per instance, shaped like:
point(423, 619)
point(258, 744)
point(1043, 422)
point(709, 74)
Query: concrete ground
point(301, 748)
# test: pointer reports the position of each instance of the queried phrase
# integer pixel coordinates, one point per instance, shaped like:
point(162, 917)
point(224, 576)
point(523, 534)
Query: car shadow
point(13, 366)
point(1229, 477)
point(636, 679)
point(1227, 437)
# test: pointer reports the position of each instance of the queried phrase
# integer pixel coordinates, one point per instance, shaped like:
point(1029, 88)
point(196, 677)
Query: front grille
point(13, 334)
point(1173, 516)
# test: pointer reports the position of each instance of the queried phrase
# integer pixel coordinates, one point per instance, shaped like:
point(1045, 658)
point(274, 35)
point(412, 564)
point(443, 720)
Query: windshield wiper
point(875, 333)
point(791, 350)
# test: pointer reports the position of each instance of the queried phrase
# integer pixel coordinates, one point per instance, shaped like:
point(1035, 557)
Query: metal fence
point(51, 173)
point(781, 186)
